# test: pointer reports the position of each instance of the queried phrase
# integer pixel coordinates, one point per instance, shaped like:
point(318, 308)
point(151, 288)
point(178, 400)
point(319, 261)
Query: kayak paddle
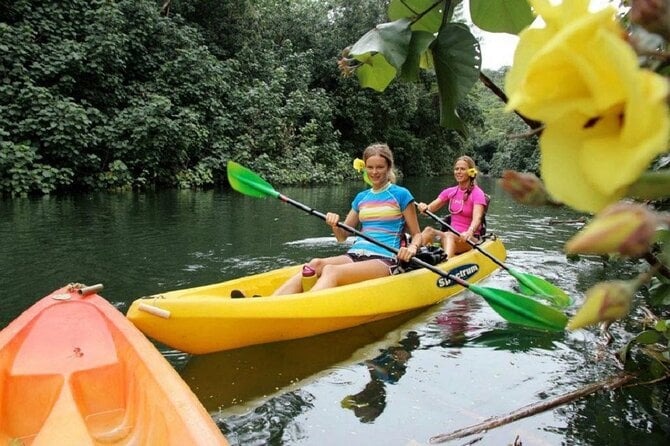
point(516, 308)
point(528, 283)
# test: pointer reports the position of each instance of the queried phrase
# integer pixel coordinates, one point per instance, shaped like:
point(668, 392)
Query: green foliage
point(654, 347)
point(457, 60)
point(118, 95)
point(425, 34)
point(21, 173)
point(502, 141)
point(510, 16)
point(117, 177)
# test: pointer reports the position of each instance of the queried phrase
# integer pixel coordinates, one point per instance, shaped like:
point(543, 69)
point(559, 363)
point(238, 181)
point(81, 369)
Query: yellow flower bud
point(606, 301)
point(624, 228)
point(525, 188)
point(359, 165)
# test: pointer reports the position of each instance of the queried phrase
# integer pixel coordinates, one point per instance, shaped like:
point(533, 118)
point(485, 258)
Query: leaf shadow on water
point(516, 339)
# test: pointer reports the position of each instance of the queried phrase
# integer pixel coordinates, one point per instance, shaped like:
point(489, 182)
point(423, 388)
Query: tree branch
point(165, 9)
point(535, 125)
point(532, 409)
point(653, 261)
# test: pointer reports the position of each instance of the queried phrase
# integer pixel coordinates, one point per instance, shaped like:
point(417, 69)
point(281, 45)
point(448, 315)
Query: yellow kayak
point(74, 371)
point(206, 319)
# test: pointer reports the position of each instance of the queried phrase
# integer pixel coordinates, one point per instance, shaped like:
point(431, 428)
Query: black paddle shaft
point(416, 261)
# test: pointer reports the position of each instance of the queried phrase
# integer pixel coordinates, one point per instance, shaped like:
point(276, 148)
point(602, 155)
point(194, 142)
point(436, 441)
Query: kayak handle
point(159, 312)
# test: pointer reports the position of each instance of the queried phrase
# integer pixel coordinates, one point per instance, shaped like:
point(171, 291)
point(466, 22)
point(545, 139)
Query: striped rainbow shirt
point(380, 214)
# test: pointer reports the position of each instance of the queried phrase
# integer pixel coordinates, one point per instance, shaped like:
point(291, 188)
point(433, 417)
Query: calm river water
point(399, 381)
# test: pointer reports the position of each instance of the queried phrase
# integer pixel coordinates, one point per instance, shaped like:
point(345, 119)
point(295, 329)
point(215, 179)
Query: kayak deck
point(206, 319)
point(75, 371)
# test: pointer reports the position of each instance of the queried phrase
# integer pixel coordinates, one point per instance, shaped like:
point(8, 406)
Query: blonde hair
point(383, 150)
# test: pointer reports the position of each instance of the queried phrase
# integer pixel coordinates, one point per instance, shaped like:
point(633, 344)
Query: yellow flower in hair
point(472, 172)
point(359, 165)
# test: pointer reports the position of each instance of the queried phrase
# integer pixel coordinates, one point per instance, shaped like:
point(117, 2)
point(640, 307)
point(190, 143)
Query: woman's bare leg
point(334, 275)
point(428, 235)
point(454, 245)
point(294, 284)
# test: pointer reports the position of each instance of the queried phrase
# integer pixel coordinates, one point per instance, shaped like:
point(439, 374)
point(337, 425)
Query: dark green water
point(394, 382)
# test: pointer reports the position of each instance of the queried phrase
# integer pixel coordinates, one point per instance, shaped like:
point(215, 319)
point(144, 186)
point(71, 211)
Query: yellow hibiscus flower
point(606, 119)
point(589, 162)
point(579, 61)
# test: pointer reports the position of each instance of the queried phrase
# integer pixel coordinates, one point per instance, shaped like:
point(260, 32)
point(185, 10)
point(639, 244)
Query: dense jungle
point(101, 95)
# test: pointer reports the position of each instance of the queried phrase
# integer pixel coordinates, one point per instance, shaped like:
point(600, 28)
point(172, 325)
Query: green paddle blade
point(530, 284)
point(522, 310)
point(247, 182)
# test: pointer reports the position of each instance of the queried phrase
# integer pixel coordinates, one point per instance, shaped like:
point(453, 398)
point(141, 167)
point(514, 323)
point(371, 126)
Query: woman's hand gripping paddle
point(528, 283)
point(516, 308)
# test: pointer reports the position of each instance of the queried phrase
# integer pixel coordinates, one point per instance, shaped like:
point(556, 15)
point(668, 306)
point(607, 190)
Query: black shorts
point(389, 261)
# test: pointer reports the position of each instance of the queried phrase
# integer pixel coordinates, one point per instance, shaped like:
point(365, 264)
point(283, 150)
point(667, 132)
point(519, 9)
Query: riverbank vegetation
point(139, 94)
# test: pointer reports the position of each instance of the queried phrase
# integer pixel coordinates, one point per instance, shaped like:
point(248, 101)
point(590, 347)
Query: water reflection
point(457, 329)
point(386, 368)
point(453, 324)
point(271, 423)
point(516, 339)
point(630, 416)
point(236, 378)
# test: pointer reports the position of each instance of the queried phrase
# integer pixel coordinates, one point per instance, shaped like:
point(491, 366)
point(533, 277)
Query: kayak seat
point(22, 417)
point(236, 294)
point(104, 401)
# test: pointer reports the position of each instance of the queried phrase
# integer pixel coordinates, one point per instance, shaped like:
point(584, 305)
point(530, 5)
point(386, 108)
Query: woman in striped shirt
point(384, 212)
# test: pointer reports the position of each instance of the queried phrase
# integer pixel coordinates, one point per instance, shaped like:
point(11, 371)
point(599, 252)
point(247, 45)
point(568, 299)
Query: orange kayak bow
point(74, 371)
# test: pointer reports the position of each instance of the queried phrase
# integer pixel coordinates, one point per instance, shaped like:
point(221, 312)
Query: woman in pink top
point(466, 203)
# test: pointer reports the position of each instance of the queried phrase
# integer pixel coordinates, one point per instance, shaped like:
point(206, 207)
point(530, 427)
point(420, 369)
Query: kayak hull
point(206, 319)
point(75, 371)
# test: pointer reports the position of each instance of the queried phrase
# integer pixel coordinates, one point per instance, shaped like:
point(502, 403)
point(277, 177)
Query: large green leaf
point(376, 72)
point(420, 42)
point(457, 59)
point(390, 39)
point(430, 22)
point(382, 52)
point(501, 16)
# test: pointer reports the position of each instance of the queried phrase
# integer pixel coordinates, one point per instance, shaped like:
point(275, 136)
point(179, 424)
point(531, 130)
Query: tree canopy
point(136, 94)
